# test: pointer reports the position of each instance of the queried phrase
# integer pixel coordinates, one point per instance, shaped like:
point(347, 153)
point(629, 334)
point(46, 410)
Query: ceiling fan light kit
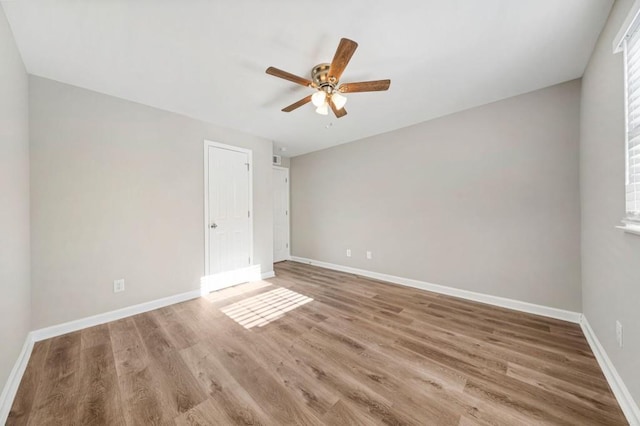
point(338, 100)
point(325, 79)
point(319, 98)
point(323, 109)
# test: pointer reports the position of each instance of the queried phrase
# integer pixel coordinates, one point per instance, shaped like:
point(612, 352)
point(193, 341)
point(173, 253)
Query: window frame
point(629, 218)
point(630, 27)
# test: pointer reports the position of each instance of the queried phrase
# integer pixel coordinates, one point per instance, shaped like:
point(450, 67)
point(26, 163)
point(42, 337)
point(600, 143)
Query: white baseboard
point(68, 327)
point(253, 274)
point(268, 274)
point(622, 394)
point(517, 305)
point(13, 381)
point(222, 280)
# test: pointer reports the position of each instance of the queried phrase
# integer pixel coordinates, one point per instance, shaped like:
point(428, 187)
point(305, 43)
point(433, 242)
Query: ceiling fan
point(325, 79)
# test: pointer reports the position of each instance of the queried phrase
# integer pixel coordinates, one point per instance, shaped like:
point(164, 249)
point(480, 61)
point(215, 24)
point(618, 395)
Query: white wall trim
point(630, 229)
point(226, 279)
point(268, 274)
point(223, 280)
point(620, 391)
point(68, 327)
point(15, 377)
point(632, 15)
point(517, 305)
point(71, 326)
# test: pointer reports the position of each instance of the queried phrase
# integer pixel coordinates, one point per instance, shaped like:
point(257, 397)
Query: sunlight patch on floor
point(260, 310)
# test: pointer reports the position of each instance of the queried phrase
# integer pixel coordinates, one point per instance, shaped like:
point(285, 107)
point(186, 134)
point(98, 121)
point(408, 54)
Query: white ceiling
point(206, 59)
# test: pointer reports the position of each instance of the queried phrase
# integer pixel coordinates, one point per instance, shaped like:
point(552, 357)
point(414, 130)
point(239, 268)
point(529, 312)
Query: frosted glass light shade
point(338, 100)
point(323, 109)
point(319, 98)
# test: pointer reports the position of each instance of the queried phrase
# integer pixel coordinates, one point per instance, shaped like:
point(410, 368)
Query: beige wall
point(610, 258)
point(484, 200)
point(15, 303)
point(118, 193)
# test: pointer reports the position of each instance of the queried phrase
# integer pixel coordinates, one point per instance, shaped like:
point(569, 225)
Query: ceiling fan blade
point(288, 76)
point(297, 104)
point(338, 112)
point(345, 51)
point(365, 86)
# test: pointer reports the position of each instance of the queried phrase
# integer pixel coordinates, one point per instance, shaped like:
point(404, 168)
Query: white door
point(280, 214)
point(229, 222)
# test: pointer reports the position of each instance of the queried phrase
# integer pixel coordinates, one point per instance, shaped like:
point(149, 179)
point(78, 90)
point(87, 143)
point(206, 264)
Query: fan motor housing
point(320, 76)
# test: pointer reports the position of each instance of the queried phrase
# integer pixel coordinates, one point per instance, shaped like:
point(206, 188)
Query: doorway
point(228, 214)
point(281, 250)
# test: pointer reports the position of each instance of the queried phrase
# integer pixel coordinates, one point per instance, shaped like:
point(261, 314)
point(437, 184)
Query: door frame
point(211, 144)
point(288, 209)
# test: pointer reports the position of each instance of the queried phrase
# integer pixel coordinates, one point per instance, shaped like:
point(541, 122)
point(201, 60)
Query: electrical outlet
point(369, 255)
point(619, 333)
point(348, 252)
point(118, 285)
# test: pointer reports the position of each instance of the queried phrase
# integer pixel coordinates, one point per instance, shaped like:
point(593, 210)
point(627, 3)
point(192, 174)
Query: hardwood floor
point(314, 346)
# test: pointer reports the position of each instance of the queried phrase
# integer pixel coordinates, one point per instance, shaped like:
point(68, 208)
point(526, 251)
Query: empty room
point(336, 213)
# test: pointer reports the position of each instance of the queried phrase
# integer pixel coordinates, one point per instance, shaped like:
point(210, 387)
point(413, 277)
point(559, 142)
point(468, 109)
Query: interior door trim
point(286, 169)
point(211, 144)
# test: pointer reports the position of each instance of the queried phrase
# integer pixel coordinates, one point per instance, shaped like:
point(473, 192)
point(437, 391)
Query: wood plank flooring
point(313, 347)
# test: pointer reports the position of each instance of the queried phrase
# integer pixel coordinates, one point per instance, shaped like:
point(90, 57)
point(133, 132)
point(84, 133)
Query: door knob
point(213, 226)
